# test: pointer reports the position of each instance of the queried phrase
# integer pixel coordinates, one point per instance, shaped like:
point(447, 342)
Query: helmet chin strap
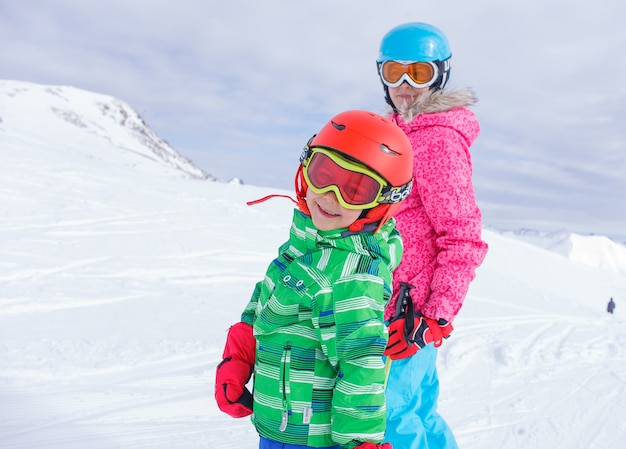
point(370, 219)
point(388, 97)
point(358, 227)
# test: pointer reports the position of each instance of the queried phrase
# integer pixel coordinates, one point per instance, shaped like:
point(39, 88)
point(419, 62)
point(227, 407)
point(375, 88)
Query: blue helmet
point(414, 42)
point(417, 42)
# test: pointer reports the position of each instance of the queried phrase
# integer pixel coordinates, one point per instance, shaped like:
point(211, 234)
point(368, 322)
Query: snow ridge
point(594, 250)
point(48, 114)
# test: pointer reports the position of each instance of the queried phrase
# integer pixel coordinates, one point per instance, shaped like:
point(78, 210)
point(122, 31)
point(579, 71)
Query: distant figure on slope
point(610, 306)
point(313, 333)
point(440, 224)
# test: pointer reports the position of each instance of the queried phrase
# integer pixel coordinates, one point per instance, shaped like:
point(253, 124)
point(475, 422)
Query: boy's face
point(327, 213)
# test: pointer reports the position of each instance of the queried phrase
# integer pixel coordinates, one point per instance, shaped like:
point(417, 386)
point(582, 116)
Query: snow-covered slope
point(119, 279)
point(100, 126)
point(593, 250)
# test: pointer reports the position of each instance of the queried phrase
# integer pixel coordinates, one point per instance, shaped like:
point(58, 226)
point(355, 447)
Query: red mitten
point(234, 372)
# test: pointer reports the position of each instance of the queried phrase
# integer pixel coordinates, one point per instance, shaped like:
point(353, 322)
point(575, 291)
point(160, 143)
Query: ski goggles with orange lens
point(417, 74)
point(355, 186)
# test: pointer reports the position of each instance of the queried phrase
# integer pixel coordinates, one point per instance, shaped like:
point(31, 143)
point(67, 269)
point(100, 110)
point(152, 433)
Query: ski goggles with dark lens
point(355, 186)
point(417, 74)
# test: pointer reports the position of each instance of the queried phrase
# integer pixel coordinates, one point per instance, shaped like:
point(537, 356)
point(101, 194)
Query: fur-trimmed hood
point(436, 101)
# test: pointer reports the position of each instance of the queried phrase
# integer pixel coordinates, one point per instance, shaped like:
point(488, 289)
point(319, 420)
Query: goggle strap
point(306, 151)
point(395, 194)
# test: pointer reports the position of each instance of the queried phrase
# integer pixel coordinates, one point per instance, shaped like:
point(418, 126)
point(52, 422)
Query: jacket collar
point(305, 238)
point(436, 101)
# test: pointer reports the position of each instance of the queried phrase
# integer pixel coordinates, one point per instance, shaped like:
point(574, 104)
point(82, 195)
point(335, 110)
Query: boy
point(313, 333)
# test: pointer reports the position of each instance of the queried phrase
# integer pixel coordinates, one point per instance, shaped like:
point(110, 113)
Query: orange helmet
point(374, 142)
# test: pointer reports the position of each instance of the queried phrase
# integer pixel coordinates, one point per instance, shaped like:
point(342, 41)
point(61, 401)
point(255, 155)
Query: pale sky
point(239, 86)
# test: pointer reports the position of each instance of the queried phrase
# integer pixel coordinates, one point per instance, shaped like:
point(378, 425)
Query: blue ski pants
point(411, 393)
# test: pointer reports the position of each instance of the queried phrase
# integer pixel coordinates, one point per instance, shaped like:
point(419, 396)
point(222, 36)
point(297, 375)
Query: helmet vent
point(338, 126)
point(385, 149)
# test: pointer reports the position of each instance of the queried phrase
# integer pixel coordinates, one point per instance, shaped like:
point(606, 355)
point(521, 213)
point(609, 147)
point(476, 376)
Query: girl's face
point(327, 213)
point(405, 95)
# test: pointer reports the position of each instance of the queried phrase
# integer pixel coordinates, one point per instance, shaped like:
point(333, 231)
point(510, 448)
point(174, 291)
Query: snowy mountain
point(85, 124)
point(594, 250)
point(121, 270)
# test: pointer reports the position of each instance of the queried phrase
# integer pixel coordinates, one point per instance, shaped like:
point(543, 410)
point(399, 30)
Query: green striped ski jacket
point(318, 321)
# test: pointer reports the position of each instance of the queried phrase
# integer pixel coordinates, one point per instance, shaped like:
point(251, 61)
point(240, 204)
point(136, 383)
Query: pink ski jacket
point(440, 222)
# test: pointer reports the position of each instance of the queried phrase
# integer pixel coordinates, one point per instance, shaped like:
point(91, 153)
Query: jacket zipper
point(284, 385)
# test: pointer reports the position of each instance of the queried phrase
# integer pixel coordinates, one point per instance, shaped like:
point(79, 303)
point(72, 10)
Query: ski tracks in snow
point(143, 405)
point(521, 362)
